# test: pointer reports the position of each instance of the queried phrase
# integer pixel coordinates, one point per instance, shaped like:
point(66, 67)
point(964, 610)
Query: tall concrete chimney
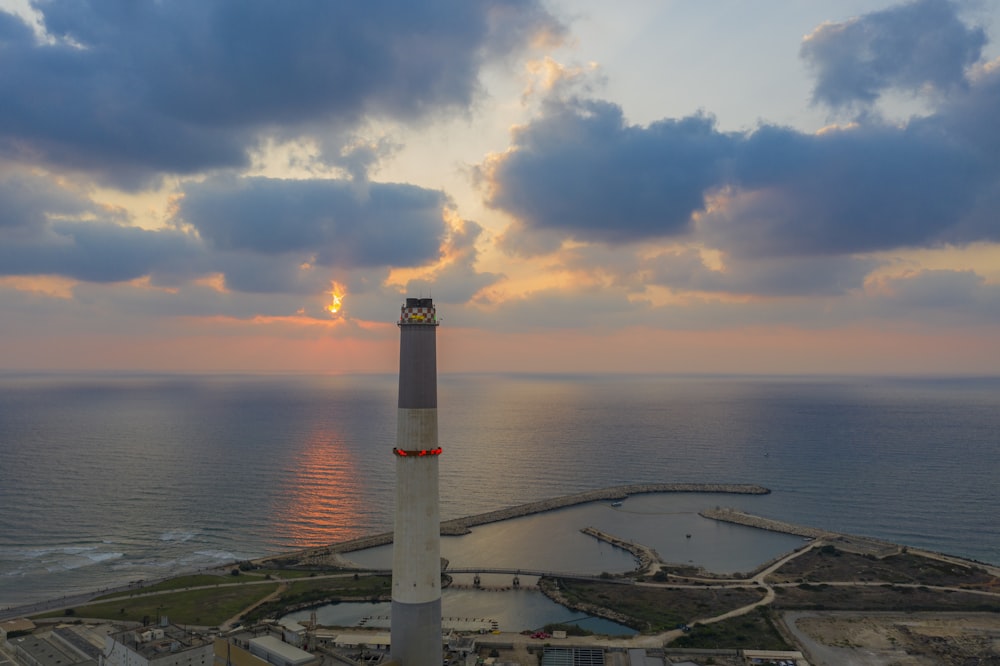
point(416, 556)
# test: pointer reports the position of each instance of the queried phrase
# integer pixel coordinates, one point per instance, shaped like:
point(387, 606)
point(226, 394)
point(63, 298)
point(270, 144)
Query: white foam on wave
point(42, 551)
point(77, 550)
point(104, 557)
point(178, 535)
point(220, 555)
point(68, 558)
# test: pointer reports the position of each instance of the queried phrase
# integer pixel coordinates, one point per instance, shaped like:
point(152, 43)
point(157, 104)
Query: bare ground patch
point(903, 639)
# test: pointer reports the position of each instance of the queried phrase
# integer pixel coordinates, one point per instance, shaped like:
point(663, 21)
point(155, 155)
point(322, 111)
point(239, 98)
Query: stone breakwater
point(849, 542)
point(329, 555)
point(742, 518)
point(460, 526)
point(646, 557)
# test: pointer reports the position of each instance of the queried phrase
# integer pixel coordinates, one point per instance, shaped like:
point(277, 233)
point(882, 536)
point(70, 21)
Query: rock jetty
point(737, 517)
point(646, 558)
point(850, 542)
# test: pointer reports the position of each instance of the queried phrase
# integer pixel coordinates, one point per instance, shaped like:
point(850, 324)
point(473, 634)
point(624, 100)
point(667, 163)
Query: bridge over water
point(526, 572)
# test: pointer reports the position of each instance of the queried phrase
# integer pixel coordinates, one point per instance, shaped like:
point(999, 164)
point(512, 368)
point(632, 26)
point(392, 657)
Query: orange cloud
point(47, 285)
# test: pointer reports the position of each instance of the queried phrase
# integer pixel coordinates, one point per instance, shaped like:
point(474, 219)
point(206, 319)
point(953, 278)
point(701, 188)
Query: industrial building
point(60, 645)
point(161, 645)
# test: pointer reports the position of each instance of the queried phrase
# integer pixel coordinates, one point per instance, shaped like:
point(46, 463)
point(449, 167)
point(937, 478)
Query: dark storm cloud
point(581, 170)
point(183, 85)
point(328, 221)
point(909, 47)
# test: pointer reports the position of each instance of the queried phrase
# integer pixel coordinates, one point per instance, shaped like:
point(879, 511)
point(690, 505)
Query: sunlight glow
point(337, 293)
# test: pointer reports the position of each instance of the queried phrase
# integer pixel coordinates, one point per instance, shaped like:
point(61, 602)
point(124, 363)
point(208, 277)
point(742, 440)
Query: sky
point(583, 187)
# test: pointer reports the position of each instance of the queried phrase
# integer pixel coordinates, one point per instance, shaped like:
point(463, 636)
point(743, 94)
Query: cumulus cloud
point(582, 174)
point(767, 225)
point(326, 221)
point(686, 270)
point(261, 235)
point(129, 90)
point(859, 189)
point(943, 290)
point(27, 201)
point(457, 280)
point(912, 47)
point(99, 252)
point(51, 229)
point(580, 169)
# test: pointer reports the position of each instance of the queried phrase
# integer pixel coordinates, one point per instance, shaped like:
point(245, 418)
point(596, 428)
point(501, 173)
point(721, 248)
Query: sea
point(110, 479)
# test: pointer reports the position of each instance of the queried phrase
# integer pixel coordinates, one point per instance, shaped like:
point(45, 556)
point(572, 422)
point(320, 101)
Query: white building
point(277, 652)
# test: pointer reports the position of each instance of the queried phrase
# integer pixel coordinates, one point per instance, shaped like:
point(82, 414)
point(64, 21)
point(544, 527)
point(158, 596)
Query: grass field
point(207, 600)
point(207, 607)
point(181, 582)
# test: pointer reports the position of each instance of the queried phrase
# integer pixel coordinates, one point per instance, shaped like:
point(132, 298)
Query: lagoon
point(552, 541)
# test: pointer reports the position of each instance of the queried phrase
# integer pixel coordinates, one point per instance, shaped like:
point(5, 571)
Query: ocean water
point(105, 480)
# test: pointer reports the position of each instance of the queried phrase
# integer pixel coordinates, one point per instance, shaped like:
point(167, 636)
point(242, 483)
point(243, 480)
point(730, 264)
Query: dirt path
point(281, 589)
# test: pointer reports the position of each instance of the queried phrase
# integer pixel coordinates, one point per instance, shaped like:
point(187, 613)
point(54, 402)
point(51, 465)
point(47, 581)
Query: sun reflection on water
point(321, 500)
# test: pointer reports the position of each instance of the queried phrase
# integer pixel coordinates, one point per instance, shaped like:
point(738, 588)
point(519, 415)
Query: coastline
point(648, 561)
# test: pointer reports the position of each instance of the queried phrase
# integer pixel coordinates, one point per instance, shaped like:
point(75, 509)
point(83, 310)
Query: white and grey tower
point(416, 557)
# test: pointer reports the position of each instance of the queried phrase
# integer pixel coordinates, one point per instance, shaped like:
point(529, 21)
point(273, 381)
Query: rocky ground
point(897, 639)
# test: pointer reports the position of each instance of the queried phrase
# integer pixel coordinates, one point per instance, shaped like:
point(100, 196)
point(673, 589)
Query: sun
point(337, 293)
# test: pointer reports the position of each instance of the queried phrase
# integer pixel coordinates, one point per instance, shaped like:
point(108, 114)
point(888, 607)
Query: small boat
point(616, 504)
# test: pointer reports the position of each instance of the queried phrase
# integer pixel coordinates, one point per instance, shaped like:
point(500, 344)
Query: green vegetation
point(653, 609)
point(887, 597)
point(288, 574)
point(207, 600)
point(362, 587)
point(309, 592)
point(753, 631)
point(828, 564)
point(179, 583)
point(204, 607)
